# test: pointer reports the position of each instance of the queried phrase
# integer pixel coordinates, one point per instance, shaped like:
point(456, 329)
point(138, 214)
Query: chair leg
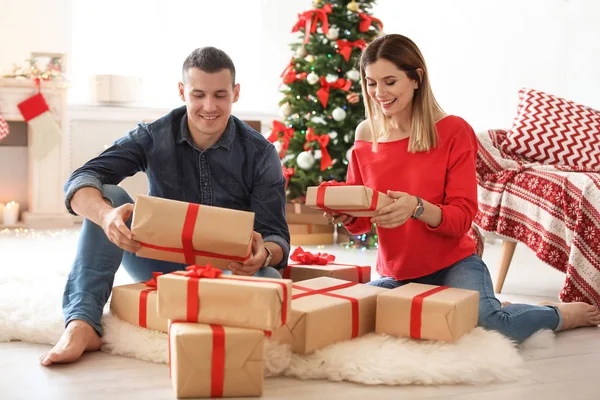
point(508, 250)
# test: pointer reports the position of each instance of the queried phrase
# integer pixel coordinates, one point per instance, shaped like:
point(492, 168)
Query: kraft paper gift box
point(308, 229)
point(136, 304)
point(215, 361)
point(204, 295)
point(427, 312)
point(299, 213)
point(189, 233)
point(358, 201)
point(306, 265)
point(326, 311)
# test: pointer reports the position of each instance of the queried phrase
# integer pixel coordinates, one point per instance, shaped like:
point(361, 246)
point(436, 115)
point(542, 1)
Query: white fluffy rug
point(32, 281)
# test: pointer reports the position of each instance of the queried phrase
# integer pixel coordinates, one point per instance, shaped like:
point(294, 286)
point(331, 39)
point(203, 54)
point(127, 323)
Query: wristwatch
point(419, 209)
point(269, 257)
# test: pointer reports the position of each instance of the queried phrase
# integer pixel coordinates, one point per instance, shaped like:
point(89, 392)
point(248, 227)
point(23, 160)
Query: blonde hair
point(406, 56)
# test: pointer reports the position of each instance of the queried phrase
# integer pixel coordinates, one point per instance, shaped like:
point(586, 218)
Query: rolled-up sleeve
point(268, 202)
point(124, 158)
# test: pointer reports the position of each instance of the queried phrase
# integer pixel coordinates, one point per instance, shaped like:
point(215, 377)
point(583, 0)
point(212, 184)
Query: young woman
point(425, 160)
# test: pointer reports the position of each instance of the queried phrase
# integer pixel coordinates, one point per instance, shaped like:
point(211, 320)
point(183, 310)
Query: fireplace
point(35, 183)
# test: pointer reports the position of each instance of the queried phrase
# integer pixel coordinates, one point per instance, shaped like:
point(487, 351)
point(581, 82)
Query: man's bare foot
point(576, 315)
point(79, 336)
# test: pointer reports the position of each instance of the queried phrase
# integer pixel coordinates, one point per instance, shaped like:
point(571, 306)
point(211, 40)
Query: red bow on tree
point(288, 134)
point(306, 257)
point(153, 281)
point(289, 74)
point(308, 20)
point(207, 271)
point(323, 93)
point(366, 21)
point(323, 141)
point(287, 174)
point(346, 47)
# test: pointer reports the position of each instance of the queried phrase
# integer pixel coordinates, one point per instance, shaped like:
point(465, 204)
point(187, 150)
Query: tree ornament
point(285, 110)
point(334, 33)
point(305, 160)
point(353, 74)
point(331, 78)
point(310, 58)
point(301, 52)
point(352, 6)
point(338, 114)
point(312, 78)
point(333, 134)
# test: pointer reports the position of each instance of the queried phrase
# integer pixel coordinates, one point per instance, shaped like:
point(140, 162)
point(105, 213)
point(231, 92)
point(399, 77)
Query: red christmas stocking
point(3, 127)
point(45, 132)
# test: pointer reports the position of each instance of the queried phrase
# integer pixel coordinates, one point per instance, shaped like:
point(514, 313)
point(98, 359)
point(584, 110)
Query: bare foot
point(576, 315)
point(79, 336)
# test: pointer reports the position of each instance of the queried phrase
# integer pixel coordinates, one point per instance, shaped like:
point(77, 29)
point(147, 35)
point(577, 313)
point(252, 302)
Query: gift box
point(205, 295)
point(308, 229)
point(311, 234)
point(306, 265)
point(338, 197)
point(326, 311)
point(215, 361)
point(299, 213)
point(137, 304)
point(427, 312)
point(189, 233)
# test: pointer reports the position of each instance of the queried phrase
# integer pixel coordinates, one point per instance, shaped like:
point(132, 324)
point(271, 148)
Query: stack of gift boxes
point(217, 323)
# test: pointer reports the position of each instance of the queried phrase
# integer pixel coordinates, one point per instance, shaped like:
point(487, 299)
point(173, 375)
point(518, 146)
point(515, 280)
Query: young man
point(197, 153)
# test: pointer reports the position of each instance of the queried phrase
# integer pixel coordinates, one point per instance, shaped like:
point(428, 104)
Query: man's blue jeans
point(97, 260)
point(517, 321)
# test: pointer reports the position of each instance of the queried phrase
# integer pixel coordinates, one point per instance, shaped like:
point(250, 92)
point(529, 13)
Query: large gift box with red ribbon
point(215, 361)
point(206, 295)
point(190, 233)
point(136, 304)
point(427, 312)
point(326, 311)
point(306, 265)
point(355, 200)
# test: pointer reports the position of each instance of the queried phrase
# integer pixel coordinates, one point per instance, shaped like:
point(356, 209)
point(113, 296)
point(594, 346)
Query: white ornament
point(278, 145)
point(334, 32)
point(338, 114)
point(284, 88)
point(285, 109)
point(317, 154)
point(301, 52)
point(310, 58)
point(305, 160)
point(319, 30)
point(333, 134)
point(331, 78)
point(325, 41)
point(312, 78)
point(347, 138)
point(349, 153)
point(319, 120)
point(353, 74)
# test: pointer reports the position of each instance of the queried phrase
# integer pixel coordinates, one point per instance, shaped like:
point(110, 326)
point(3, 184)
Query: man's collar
point(225, 140)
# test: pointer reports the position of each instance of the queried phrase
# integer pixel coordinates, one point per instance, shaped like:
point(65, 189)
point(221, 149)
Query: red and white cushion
point(551, 130)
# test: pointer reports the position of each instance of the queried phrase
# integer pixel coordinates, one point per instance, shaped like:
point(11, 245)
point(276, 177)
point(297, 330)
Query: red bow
point(288, 134)
point(366, 21)
point(287, 173)
point(333, 183)
point(323, 93)
point(306, 257)
point(308, 20)
point(153, 282)
point(207, 271)
point(323, 141)
point(346, 47)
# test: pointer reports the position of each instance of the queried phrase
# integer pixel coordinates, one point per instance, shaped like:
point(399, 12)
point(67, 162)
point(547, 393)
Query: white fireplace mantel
point(47, 175)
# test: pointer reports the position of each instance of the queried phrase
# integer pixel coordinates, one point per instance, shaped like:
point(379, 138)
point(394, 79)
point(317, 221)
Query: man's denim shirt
point(241, 171)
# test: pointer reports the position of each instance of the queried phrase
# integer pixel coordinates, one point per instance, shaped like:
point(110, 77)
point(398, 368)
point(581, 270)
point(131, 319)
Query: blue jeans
point(97, 260)
point(517, 321)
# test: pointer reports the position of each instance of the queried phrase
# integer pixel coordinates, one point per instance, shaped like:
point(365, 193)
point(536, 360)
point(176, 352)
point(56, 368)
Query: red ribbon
point(323, 93)
point(346, 47)
point(143, 302)
point(217, 374)
point(321, 198)
point(287, 174)
point(366, 21)
point(307, 258)
point(195, 273)
point(326, 292)
point(323, 141)
point(289, 74)
point(309, 19)
point(416, 311)
point(288, 134)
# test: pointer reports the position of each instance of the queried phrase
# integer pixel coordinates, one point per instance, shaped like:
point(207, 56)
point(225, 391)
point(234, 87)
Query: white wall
point(479, 52)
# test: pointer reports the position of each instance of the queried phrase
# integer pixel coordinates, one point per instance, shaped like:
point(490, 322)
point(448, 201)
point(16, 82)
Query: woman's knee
point(386, 283)
point(116, 195)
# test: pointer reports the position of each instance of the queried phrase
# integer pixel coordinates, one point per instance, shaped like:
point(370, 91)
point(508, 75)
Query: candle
point(2, 213)
point(11, 213)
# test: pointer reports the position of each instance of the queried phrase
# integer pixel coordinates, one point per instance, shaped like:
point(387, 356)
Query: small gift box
point(215, 361)
point(427, 312)
point(136, 304)
point(190, 233)
point(326, 311)
point(358, 201)
point(307, 265)
point(205, 295)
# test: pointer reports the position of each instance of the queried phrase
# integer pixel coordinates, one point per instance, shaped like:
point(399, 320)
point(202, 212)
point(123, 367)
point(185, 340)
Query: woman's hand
point(335, 218)
point(397, 213)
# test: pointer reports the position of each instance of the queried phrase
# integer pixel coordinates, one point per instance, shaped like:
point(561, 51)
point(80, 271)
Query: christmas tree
point(322, 102)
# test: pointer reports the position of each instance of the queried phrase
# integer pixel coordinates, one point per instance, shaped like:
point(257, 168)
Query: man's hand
point(397, 213)
point(254, 263)
point(113, 223)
